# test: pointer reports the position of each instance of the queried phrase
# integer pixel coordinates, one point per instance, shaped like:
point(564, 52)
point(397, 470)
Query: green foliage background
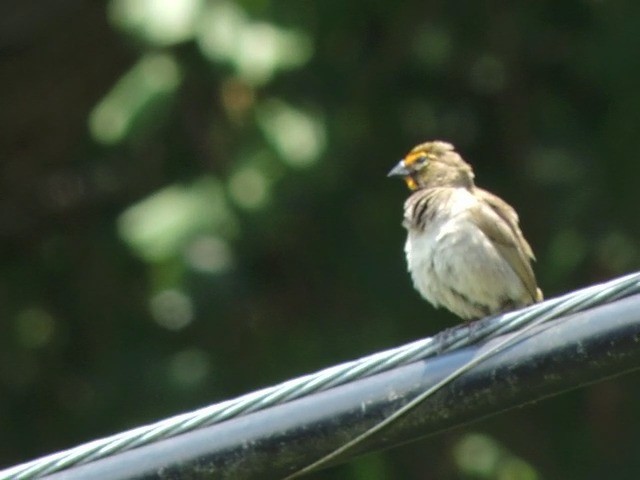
point(194, 204)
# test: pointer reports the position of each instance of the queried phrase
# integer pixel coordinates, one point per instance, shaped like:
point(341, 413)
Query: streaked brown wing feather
point(509, 215)
point(507, 237)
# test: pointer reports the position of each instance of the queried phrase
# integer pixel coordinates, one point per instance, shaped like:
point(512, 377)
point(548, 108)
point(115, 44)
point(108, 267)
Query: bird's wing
point(505, 233)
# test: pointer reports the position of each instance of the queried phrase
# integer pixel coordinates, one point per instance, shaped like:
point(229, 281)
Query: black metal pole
point(273, 443)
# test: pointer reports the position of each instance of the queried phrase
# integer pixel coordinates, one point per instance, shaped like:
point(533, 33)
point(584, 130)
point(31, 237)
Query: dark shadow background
point(194, 204)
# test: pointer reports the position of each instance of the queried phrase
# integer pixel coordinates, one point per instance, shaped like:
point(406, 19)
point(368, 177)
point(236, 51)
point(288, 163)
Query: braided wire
point(330, 377)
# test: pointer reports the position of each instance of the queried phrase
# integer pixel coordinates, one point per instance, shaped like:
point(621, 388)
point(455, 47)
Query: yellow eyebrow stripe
point(411, 158)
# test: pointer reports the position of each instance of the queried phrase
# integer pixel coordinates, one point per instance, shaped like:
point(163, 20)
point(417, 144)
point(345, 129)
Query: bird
point(464, 249)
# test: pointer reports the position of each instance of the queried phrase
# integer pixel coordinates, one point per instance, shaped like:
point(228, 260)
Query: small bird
point(464, 248)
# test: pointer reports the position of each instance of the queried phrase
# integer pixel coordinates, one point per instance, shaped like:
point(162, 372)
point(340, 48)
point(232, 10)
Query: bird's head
point(433, 164)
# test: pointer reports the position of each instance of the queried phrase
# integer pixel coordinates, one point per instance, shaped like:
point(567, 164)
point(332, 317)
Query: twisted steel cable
point(449, 340)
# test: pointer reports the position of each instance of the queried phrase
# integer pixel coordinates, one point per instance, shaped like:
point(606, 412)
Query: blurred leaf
point(159, 22)
point(298, 136)
point(256, 50)
point(480, 456)
point(152, 78)
point(160, 226)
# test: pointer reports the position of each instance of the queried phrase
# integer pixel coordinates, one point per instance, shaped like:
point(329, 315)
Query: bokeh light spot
point(248, 187)
point(219, 30)
point(476, 454)
point(159, 227)
point(189, 368)
point(299, 137)
point(162, 22)
point(35, 327)
point(172, 309)
point(112, 118)
point(256, 50)
point(209, 254)
point(515, 469)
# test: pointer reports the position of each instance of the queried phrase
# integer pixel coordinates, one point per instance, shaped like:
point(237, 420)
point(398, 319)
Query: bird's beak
point(400, 170)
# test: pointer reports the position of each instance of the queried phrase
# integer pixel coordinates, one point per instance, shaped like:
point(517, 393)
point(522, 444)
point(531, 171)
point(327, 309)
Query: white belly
point(452, 260)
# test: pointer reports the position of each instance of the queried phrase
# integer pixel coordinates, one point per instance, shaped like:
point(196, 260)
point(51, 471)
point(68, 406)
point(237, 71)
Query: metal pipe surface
point(554, 357)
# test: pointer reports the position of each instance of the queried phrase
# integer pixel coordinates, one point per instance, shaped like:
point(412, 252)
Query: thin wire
point(333, 376)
